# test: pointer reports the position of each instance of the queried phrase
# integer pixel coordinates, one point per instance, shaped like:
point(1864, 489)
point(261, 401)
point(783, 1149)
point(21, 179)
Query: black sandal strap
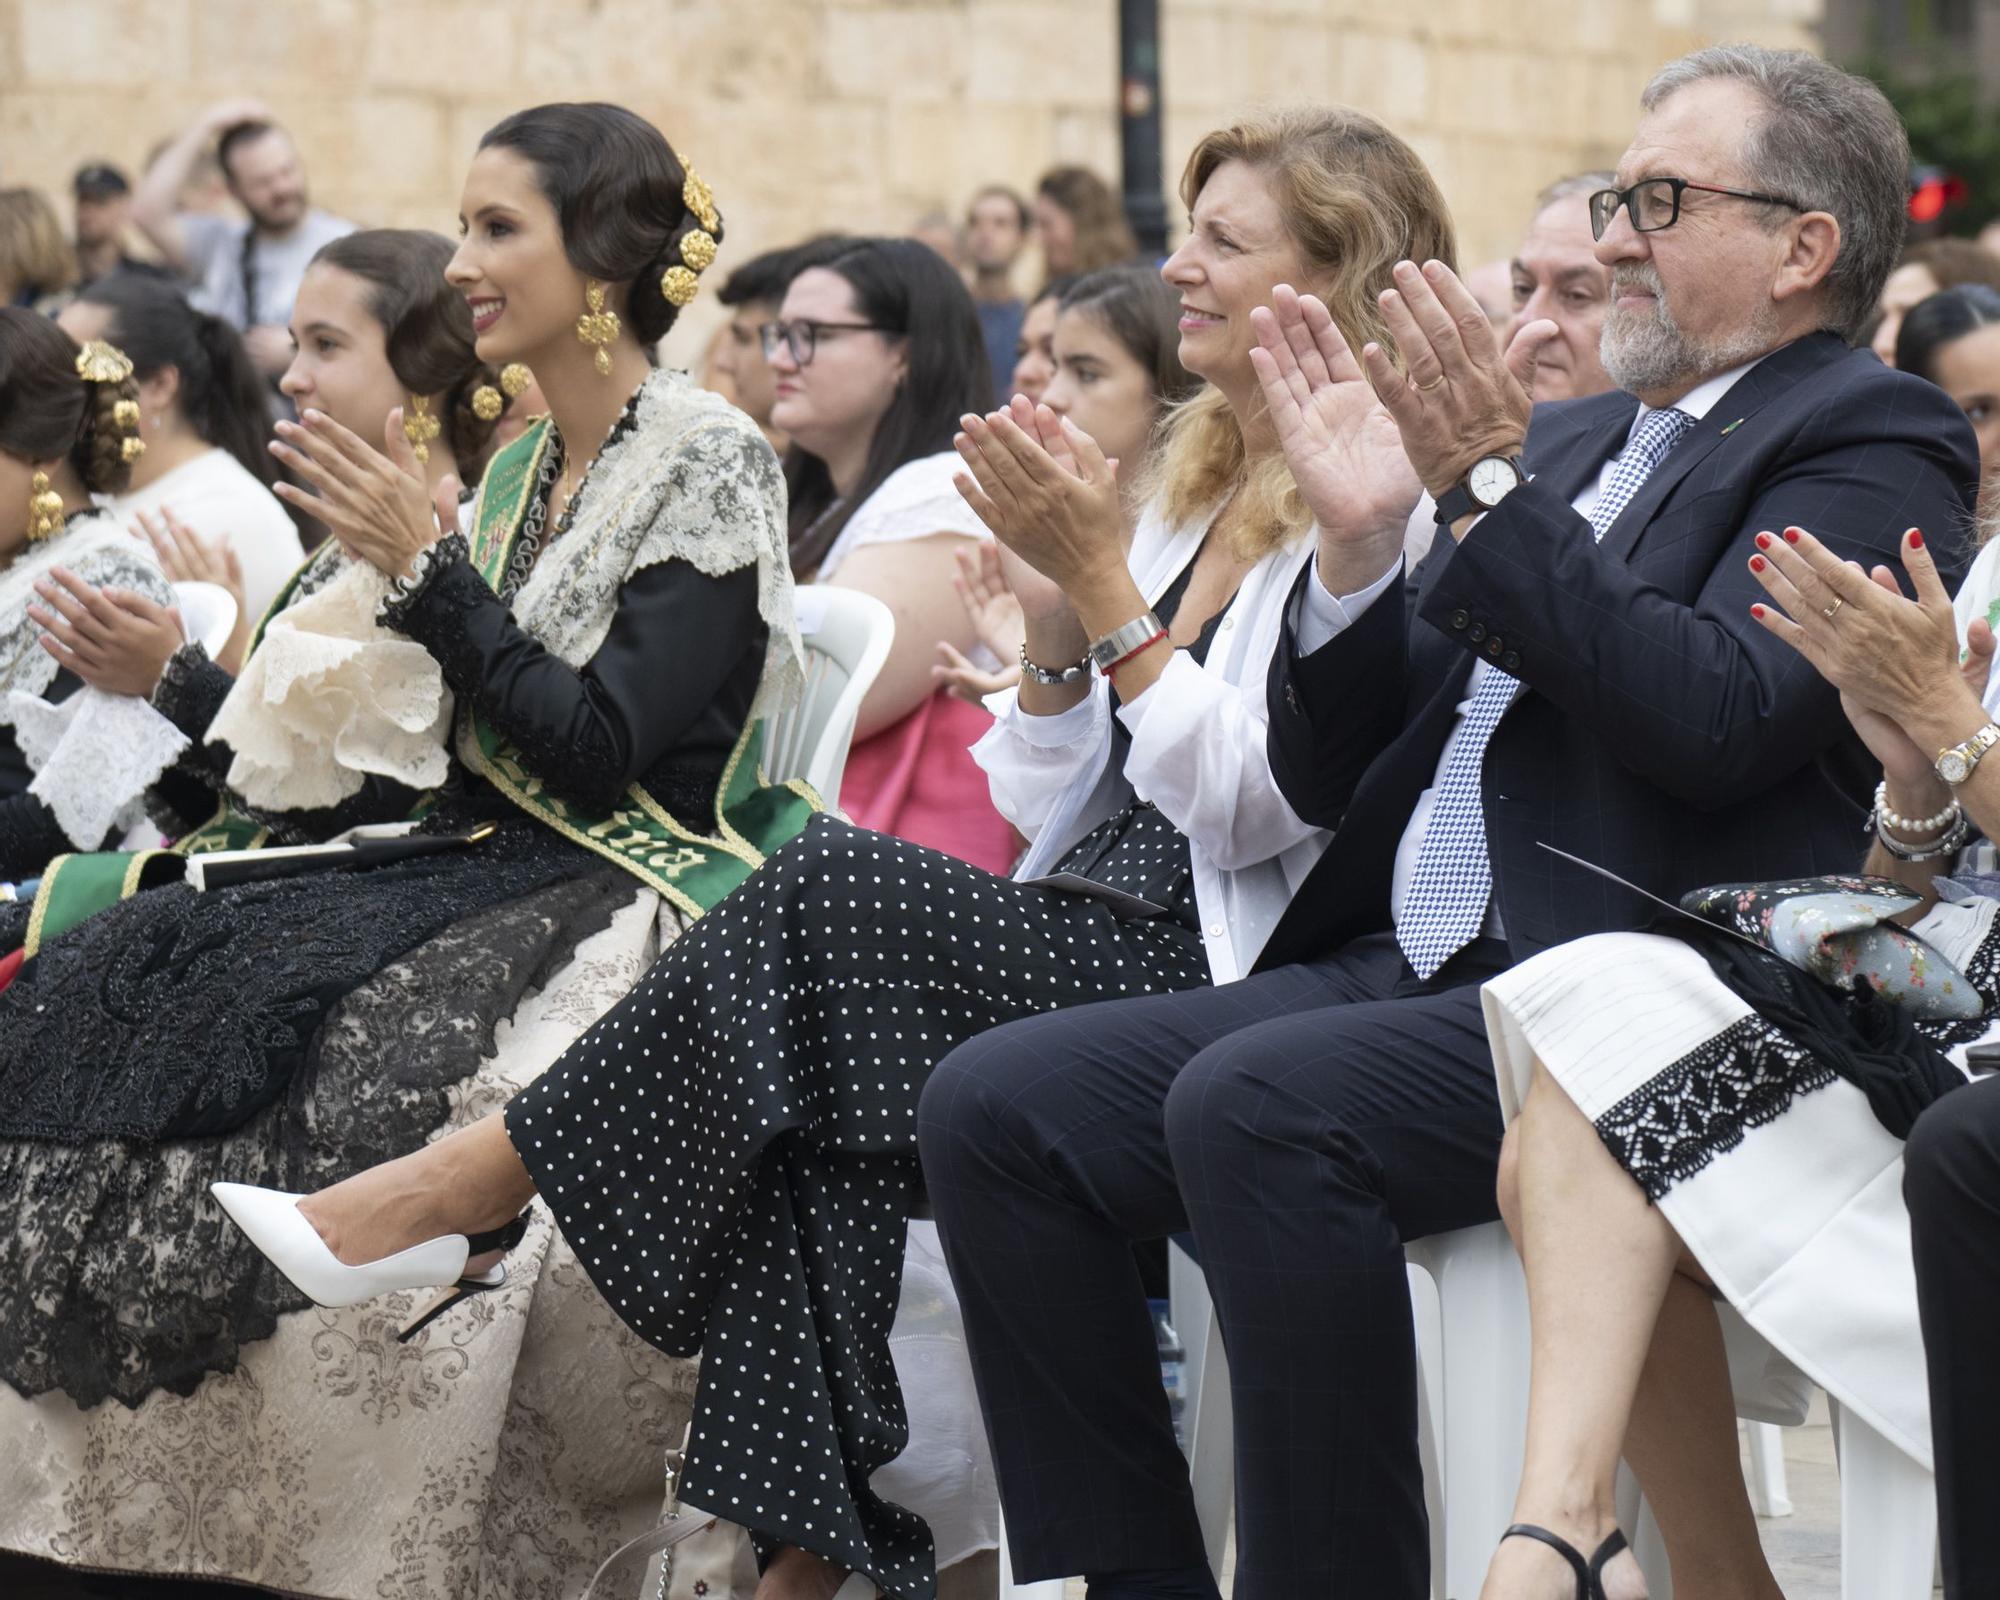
point(503, 1238)
point(1586, 1578)
point(1614, 1541)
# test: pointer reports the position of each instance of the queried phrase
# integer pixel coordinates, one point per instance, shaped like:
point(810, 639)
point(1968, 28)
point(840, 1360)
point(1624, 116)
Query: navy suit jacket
point(1663, 733)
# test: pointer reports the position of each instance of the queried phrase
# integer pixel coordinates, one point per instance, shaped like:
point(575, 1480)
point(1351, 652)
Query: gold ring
point(1829, 611)
point(1425, 388)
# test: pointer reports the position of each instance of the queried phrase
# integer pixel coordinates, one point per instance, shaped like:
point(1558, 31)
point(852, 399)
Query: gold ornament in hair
point(699, 199)
point(131, 449)
point(126, 414)
point(99, 362)
point(698, 250)
point(45, 508)
point(420, 427)
point(488, 402)
point(597, 327)
point(678, 285)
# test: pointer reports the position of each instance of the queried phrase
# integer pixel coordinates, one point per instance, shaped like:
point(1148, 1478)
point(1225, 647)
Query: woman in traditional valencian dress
point(565, 700)
point(71, 763)
point(732, 1151)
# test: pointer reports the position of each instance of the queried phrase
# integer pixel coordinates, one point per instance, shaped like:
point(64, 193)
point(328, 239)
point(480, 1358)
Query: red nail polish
point(1763, 541)
point(1756, 563)
point(1757, 611)
point(1791, 536)
point(1916, 539)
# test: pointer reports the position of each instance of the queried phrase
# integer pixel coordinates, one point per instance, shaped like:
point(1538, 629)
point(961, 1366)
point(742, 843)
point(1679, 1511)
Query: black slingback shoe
point(503, 1239)
point(1589, 1574)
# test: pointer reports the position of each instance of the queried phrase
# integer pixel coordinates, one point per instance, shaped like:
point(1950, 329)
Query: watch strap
point(1454, 503)
point(1123, 640)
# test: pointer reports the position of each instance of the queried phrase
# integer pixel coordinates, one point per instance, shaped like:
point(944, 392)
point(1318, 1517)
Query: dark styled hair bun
point(619, 190)
point(47, 411)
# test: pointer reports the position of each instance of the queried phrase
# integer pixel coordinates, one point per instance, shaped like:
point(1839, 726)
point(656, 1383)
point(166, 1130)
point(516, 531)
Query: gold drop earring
point(597, 327)
point(420, 427)
point(45, 508)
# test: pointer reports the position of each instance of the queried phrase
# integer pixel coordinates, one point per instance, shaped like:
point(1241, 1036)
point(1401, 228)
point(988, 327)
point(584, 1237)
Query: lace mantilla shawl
point(93, 754)
point(691, 480)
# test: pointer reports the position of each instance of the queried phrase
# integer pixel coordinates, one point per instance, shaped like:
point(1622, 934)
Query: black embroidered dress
point(180, 1037)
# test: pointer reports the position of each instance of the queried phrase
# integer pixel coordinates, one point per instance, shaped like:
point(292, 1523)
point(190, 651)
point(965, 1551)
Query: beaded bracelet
point(1919, 827)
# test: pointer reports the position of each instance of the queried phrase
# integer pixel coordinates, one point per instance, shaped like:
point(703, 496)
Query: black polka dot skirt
point(731, 1151)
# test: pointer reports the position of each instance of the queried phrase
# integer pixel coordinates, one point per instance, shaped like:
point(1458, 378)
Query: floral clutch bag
point(1838, 929)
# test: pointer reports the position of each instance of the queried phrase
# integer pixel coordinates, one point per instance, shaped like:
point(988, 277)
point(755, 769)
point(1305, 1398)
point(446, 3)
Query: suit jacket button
point(1511, 660)
point(1460, 618)
point(1476, 632)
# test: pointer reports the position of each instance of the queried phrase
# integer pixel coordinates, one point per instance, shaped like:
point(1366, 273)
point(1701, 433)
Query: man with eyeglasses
point(1574, 664)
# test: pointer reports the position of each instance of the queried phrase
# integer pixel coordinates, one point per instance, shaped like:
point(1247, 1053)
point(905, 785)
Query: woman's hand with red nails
point(1889, 656)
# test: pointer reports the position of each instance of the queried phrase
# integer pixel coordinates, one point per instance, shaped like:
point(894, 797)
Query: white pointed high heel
point(857, 1587)
point(276, 1226)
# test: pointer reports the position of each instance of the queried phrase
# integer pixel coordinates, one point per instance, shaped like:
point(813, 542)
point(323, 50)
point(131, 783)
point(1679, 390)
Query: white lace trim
point(94, 756)
point(692, 480)
point(916, 501)
point(331, 695)
point(97, 550)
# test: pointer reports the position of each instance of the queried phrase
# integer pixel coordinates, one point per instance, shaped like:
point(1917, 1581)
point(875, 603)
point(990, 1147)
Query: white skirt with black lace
point(1773, 1171)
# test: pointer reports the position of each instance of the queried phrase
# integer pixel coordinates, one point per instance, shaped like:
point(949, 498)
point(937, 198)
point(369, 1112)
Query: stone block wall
point(852, 114)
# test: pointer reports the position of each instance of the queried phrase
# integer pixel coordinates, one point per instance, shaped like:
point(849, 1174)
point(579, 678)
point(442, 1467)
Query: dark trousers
point(1302, 1123)
point(1951, 1179)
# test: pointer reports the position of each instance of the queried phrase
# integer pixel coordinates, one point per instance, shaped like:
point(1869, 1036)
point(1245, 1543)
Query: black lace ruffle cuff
point(191, 690)
point(406, 595)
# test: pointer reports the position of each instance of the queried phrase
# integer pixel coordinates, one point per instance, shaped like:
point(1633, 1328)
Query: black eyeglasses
point(1655, 203)
point(802, 337)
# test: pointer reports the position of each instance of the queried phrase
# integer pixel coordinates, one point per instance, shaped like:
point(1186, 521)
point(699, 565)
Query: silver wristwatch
point(1054, 679)
point(1122, 641)
point(1955, 765)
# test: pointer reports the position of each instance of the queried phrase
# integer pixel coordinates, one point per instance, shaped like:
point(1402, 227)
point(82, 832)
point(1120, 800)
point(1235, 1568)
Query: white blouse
point(915, 501)
point(1198, 752)
point(217, 497)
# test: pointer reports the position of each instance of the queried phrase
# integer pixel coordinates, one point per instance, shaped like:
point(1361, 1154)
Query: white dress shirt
point(1199, 751)
point(1324, 614)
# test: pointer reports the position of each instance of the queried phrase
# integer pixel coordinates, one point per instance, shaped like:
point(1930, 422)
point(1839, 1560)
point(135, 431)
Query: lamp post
point(1139, 122)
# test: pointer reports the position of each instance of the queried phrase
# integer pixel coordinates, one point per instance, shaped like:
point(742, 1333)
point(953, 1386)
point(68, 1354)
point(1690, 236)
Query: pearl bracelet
point(1948, 843)
point(1917, 827)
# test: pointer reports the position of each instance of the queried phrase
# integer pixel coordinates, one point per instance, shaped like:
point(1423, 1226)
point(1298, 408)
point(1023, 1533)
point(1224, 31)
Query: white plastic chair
point(1472, 1396)
point(208, 614)
point(847, 636)
point(1473, 1399)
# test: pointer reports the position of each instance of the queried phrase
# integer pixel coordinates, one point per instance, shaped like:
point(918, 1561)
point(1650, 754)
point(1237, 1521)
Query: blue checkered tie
point(1452, 880)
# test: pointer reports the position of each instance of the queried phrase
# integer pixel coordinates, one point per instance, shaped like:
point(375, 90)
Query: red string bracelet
point(1129, 654)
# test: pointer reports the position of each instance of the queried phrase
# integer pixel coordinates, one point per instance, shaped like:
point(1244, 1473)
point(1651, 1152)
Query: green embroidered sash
point(751, 816)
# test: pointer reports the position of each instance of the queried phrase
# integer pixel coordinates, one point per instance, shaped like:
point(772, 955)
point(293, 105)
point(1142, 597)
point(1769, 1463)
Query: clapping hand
point(186, 557)
point(378, 506)
point(994, 611)
point(1894, 660)
point(112, 639)
point(1458, 398)
point(1342, 446)
point(1047, 492)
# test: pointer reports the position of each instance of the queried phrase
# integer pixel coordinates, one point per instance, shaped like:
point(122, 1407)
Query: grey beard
point(1645, 354)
